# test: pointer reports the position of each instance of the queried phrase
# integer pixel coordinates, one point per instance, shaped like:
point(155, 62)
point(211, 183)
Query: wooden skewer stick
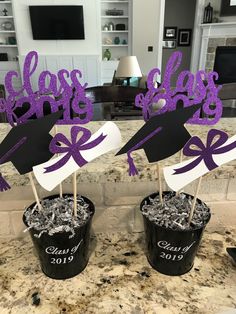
point(194, 200)
point(35, 191)
point(60, 185)
point(75, 193)
point(181, 155)
point(180, 160)
point(160, 183)
point(60, 190)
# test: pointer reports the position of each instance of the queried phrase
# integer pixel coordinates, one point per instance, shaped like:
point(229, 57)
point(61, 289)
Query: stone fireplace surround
point(214, 35)
point(213, 43)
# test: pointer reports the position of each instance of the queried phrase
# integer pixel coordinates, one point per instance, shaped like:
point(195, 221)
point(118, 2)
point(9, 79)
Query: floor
point(118, 279)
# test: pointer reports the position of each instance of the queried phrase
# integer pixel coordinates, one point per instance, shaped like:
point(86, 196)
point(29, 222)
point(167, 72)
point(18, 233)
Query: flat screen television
point(57, 22)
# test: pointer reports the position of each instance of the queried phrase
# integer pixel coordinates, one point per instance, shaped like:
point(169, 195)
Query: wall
point(147, 26)
point(216, 4)
point(117, 204)
point(179, 13)
point(54, 47)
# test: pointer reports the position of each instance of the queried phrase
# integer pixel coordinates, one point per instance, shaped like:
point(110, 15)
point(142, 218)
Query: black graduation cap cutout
point(27, 145)
point(161, 136)
point(232, 252)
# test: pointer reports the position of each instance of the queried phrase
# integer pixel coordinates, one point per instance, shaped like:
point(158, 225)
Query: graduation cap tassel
point(132, 169)
point(4, 186)
point(194, 201)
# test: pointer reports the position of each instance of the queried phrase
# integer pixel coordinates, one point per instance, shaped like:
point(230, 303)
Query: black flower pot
point(171, 252)
point(62, 257)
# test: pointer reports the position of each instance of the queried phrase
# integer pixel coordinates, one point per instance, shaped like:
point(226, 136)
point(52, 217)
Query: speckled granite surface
point(118, 279)
point(115, 169)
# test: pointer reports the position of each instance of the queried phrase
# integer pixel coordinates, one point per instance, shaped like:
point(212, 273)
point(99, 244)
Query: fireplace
point(225, 64)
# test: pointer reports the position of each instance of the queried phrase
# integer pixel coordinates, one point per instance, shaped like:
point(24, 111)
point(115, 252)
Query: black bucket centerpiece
point(171, 251)
point(63, 254)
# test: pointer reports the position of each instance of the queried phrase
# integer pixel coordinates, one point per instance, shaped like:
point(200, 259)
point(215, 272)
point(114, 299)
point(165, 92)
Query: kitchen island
point(118, 278)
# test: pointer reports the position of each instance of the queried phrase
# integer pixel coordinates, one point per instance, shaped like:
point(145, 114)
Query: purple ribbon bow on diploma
point(72, 148)
point(215, 140)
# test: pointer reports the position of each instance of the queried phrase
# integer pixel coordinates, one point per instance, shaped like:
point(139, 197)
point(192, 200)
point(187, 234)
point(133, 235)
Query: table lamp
point(128, 67)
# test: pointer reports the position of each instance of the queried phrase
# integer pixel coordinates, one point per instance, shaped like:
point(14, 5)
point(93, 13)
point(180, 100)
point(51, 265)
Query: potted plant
point(60, 230)
point(60, 238)
point(172, 242)
point(59, 225)
point(218, 150)
point(174, 222)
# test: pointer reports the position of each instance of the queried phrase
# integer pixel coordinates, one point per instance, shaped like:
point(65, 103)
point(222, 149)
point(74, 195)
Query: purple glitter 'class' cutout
point(69, 96)
point(190, 89)
point(73, 147)
point(214, 145)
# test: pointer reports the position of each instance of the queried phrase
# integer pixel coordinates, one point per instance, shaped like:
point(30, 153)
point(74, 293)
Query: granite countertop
point(115, 169)
point(118, 279)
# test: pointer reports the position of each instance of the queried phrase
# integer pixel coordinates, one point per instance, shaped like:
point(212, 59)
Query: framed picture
point(228, 7)
point(169, 44)
point(184, 37)
point(170, 32)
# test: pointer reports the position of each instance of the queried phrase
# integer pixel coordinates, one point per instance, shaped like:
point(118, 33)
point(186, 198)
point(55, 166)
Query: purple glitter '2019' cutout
point(67, 96)
point(190, 89)
point(72, 147)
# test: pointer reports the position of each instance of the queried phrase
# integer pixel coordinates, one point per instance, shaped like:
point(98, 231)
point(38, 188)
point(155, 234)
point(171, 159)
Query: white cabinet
point(8, 43)
point(10, 66)
point(88, 64)
point(108, 68)
point(115, 34)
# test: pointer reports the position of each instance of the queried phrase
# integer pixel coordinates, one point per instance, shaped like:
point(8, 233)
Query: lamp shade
point(128, 67)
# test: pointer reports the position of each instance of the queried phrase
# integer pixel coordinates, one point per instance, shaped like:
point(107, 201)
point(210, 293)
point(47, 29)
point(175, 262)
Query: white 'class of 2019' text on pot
point(52, 250)
point(173, 257)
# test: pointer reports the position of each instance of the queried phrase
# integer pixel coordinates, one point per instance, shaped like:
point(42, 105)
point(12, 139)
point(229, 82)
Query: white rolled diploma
point(177, 181)
point(50, 180)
